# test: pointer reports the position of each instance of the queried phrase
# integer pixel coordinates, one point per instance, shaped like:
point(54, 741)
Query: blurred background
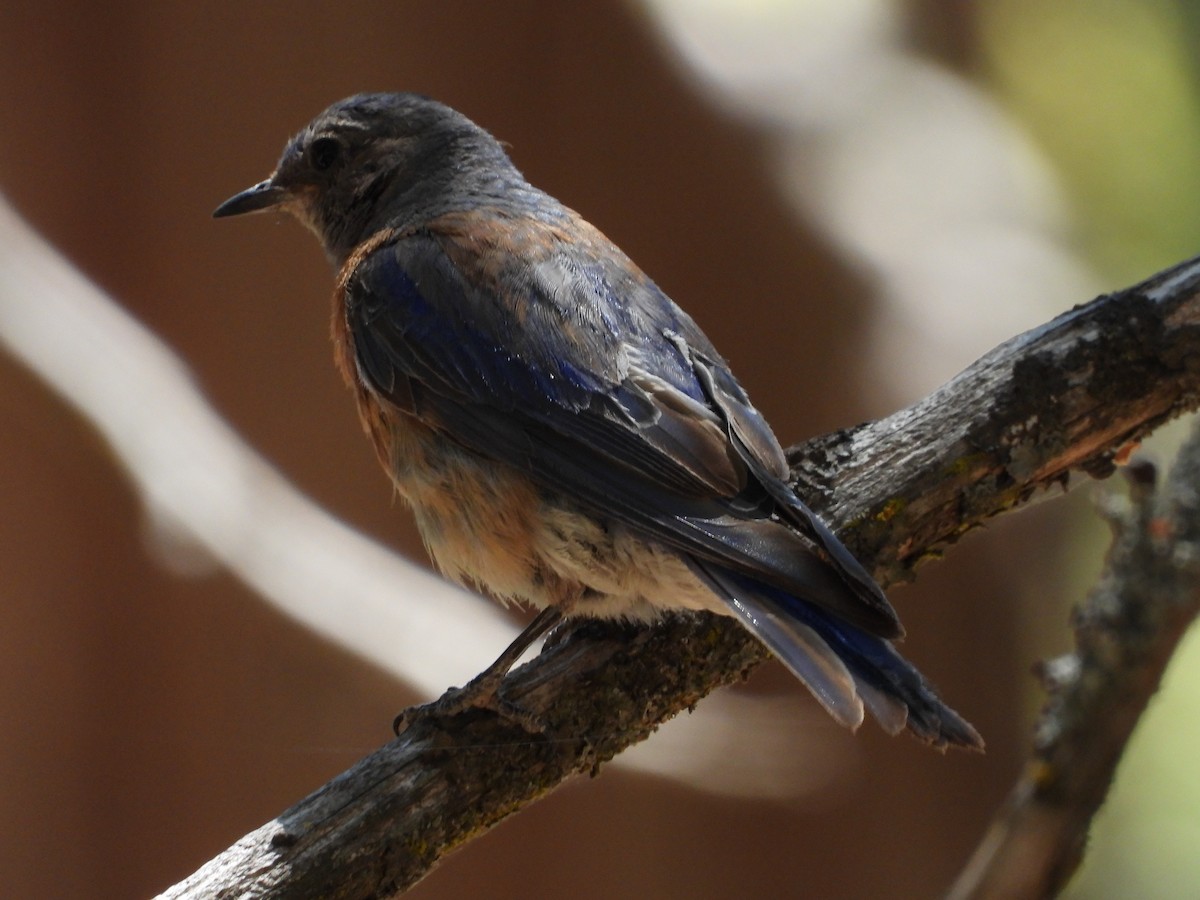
point(855, 198)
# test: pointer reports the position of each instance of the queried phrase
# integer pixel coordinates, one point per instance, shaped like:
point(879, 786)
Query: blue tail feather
point(804, 636)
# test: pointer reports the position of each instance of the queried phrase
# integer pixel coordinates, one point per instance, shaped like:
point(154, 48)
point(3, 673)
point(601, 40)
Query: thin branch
point(1066, 397)
point(1126, 632)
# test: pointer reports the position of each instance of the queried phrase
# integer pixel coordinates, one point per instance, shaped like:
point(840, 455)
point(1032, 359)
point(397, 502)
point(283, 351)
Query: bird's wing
point(539, 344)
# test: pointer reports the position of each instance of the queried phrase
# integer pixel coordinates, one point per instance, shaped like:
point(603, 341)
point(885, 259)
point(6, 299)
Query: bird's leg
point(484, 690)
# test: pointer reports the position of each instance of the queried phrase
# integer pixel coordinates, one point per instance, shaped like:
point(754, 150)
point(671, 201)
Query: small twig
point(1066, 397)
point(1126, 632)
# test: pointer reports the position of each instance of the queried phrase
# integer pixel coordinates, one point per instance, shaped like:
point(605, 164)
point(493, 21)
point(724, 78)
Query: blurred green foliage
point(1109, 90)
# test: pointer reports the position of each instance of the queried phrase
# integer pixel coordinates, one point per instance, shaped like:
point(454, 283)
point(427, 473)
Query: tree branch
point(1066, 397)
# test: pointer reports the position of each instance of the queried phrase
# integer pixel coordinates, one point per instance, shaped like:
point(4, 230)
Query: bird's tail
point(844, 667)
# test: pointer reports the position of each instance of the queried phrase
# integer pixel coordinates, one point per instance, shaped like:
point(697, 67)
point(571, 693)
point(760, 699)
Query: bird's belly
point(487, 524)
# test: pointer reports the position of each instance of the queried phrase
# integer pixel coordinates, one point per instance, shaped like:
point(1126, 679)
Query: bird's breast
point(489, 525)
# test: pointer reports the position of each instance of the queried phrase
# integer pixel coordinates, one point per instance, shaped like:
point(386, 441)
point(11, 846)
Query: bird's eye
point(323, 153)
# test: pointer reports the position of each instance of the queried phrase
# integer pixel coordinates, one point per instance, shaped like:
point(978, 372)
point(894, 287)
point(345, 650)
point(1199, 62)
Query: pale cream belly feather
point(485, 524)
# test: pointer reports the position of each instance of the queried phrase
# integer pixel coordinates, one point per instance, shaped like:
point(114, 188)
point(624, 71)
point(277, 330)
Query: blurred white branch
point(201, 481)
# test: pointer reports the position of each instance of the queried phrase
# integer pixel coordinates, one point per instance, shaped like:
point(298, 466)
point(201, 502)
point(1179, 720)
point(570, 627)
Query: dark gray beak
point(262, 196)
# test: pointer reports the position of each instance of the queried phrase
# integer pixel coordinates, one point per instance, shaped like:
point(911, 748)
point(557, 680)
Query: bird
point(566, 436)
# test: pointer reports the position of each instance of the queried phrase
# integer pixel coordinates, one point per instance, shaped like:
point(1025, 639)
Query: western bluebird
point(565, 435)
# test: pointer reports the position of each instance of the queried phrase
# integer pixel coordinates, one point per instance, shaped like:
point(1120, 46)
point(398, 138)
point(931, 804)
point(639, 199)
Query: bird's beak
point(262, 196)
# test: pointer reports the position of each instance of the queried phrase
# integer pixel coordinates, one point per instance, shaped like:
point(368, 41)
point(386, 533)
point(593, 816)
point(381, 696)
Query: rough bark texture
point(1065, 398)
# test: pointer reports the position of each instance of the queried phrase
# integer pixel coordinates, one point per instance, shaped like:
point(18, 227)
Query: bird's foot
point(486, 692)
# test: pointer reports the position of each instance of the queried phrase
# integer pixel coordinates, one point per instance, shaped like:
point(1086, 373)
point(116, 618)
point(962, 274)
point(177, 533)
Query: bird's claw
point(483, 692)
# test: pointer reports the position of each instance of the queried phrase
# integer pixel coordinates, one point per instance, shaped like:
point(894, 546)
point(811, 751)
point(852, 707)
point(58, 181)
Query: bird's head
point(378, 160)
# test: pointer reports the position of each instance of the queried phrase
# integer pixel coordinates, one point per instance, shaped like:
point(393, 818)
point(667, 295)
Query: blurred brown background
point(150, 720)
